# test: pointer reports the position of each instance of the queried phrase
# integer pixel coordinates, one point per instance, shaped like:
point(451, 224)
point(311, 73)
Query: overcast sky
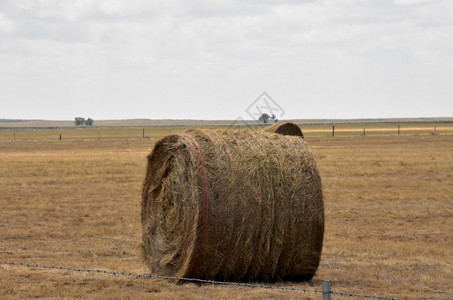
point(170, 59)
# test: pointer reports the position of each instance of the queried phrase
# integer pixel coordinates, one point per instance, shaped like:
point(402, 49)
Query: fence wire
point(195, 280)
point(154, 276)
point(366, 296)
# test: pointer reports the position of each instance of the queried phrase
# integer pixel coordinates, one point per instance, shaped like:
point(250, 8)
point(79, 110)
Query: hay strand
point(230, 206)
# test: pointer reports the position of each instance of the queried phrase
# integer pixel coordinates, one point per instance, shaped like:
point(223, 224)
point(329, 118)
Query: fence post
point(143, 134)
point(333, 130)
point(60, 136)
point(326, 290)
point(398, 129)
point(363, 131)
point(435, 129)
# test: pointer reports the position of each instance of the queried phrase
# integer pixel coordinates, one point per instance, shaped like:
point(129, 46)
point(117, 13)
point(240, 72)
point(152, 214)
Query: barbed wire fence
point(325, 291)
point(138, 132)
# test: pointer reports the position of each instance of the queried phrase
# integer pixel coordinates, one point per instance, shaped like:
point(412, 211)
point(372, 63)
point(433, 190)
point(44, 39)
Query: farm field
point(76, 203)
point(141, 131)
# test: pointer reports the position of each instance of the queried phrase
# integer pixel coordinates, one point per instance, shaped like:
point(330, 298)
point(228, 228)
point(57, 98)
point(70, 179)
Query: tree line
point(265, 118)
point(82, 121)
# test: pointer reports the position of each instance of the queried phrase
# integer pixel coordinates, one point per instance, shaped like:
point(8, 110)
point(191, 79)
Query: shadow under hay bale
point(285, 129)
point(230, 206)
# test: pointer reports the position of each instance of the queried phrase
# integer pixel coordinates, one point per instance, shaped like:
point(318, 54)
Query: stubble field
point(76, 203)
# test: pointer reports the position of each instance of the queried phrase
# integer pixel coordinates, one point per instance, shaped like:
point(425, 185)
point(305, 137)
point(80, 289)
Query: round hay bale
point(230, 206)
point(285, 129)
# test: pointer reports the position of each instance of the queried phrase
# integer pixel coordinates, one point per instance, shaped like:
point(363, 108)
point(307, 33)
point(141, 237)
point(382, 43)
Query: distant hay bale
point(285, 129)
point(244, 206)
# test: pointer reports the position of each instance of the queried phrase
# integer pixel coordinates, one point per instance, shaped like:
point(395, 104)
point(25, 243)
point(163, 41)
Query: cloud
point(199, 50)
point(410, 2)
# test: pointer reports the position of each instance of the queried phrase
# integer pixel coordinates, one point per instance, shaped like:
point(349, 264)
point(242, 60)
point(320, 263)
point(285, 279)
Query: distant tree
point(79, 121)
point(274, 118)
point(264, 118)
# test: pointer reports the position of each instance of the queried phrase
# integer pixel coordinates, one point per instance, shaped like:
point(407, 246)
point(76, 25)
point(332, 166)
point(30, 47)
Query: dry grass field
point(76, 203)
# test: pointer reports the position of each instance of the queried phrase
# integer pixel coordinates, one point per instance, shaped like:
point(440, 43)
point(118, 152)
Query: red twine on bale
point(205, 195)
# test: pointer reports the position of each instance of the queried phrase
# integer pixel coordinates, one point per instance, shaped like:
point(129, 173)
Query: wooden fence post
point(398, 129)
point(326, 292)
point(143, 134)
point(363, 131)
point(333, 130)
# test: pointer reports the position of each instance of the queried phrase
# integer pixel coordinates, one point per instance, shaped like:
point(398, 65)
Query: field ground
point(72, 133)
point(19, 124)
point(76, 203)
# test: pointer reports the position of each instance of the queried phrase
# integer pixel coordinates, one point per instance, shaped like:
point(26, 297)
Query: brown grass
point(388, 206)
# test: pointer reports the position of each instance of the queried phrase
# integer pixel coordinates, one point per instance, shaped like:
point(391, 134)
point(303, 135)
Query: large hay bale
point(244, 206)
point(285, 129)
